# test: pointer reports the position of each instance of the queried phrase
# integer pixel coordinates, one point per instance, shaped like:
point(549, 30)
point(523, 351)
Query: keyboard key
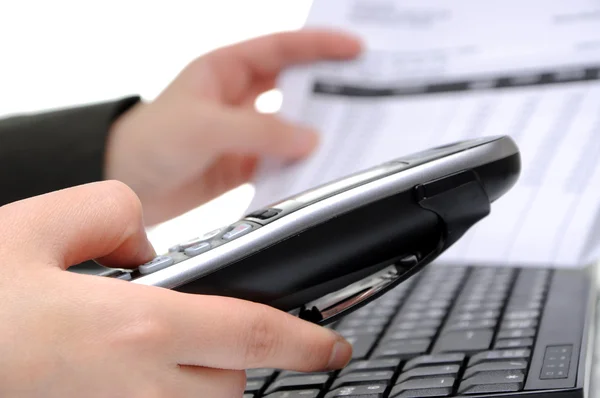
point(499, 356)
point(516, 333)
point(521, 315)
point(472, 325)
point(402, 348)
point(424, 383)
point(514, 343)
point(420, 393)
point(464, 341)
point(366, 330)
point(477, 315)
point(437, 359)
point(410, 334)
point(507, 379)
point(365, 391)
point(295, 394)
point(489, 366)
point(411, 325)
point(361, 345)
point(443, 370)
point(354, 323)
point(259, 373)
point(248, 396)
point(293, 373)
point(298, 382)
point(489, 305)
point(522, 324)
point(378, 377)
point(255, 385)
point(373, 364)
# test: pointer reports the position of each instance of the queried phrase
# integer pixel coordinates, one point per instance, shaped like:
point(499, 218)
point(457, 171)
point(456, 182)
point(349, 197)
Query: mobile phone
point(328, 251)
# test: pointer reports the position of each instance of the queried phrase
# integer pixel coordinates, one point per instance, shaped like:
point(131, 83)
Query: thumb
point(101, 221)
point(249, 132)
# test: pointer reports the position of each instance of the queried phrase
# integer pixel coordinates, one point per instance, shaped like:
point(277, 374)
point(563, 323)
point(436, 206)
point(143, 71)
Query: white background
point(56, 53)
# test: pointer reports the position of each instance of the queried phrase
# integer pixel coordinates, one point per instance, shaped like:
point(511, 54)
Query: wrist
point(121, 146)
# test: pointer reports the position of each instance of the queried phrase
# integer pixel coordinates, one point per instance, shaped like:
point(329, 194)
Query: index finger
point(222, 332)
point(264, 57)
point(267, 55)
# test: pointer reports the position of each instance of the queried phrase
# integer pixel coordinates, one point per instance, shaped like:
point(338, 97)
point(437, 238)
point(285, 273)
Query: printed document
point(435, 72)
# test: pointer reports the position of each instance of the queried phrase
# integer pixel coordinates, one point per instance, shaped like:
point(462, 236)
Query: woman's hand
point(71, 335)
point(202, 136)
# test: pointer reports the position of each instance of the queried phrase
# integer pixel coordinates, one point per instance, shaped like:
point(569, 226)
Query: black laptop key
point(295, 394)
point(440, 370)
point(402, 348)
point(496, 381)
point(419, 324)
point(359, 331)
point(514, 343)
point(287, 373)
point(378, 377)
point(515, 315)
point(354, 323)
point(423, 384)
point(364, 391)
point(471, 325)
point(491, 366)
point(499, 355)
point(520, 324)
point(298, 382)
point(248, 396)
point(516, 333)
point(465, 341)
point(361, 345)
point(372, 364)
point(255, 385)
point(477, 315)
point(436, 359)
point(429, 392)
point(259, 373)
point(410, 334)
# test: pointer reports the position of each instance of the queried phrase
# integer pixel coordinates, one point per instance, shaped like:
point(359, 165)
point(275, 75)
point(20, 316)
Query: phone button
point(157, 264)
point(265, 214)
point(237, 231)
point(197, 249)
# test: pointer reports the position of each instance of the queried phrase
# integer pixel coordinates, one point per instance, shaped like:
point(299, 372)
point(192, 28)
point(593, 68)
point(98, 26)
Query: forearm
point(49, 151)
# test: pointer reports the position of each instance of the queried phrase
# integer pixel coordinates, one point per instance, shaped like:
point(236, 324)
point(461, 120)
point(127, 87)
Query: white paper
point(552, 215)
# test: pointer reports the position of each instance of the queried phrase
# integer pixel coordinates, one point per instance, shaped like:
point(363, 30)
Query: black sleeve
point(53, 150)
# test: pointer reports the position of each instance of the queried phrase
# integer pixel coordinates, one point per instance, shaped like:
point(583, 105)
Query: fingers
point(251, 133)
point(233, 334)
point(267, 55)
point(236, 68)
point(96, 221)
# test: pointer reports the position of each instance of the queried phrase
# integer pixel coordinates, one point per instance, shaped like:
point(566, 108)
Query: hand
point(73, 335)
point(202, 137)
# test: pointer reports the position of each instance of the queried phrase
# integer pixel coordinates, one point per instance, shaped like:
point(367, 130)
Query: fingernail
point(341, 355)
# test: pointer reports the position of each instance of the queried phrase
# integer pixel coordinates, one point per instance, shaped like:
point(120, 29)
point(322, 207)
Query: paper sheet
point(435, 72)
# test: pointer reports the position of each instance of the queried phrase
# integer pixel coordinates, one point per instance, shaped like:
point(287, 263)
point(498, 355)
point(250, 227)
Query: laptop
point(462, 330)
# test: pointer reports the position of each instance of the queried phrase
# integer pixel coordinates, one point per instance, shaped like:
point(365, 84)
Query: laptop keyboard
point(447, 331)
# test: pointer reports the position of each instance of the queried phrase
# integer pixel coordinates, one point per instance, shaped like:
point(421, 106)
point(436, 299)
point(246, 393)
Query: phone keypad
point(237, 231)
point(199, 245)
point(197, 249)
point(156, 264)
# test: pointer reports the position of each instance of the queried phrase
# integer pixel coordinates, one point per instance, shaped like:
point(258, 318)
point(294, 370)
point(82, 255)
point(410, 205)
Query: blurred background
point(64, 52)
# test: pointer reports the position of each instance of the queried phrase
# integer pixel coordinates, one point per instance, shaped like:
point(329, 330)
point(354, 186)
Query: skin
point(202, 136)
point(72, 335)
